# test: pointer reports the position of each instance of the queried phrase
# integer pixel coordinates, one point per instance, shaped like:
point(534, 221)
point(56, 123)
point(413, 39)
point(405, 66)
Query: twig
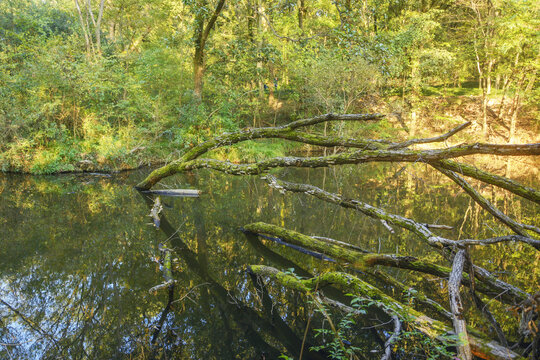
point(430, 140)
point(31, 323)
point(388, 344)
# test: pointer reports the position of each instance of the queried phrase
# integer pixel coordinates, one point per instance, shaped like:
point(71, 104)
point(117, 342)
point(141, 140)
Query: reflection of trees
point(456, 251)
point(78, 250)
point(249, 323)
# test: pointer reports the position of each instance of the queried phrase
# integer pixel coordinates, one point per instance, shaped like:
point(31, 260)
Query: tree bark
point(84, 28)
point(456, 306)
point(370, 150)
point(202, 33)
point(365, 261)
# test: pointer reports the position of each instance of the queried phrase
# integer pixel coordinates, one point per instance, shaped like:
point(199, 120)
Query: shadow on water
point(80, 253)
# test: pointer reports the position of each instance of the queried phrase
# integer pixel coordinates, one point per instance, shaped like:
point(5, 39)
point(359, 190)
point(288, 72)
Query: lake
point(79, 253)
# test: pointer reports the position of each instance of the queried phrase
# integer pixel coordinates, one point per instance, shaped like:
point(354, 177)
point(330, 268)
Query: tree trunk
point(201, 36)
point(301, 14)
point(198, 73)
point(98, 26)
point(84, 28)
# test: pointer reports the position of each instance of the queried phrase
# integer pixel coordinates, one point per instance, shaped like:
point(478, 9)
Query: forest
point(264, 179)
point(113, 85)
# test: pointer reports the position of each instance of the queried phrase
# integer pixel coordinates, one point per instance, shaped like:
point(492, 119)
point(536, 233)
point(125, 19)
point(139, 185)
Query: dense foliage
point(109, 84)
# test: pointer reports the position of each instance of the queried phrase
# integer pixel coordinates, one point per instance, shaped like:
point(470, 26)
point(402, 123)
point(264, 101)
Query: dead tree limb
point(343, 158)
point(534, 243)
point(483, 308)
point(504, 289)
point(488, 178)
point(456, 306)
point(418, 296)
point(285, 132)
point(370, 150)
point(439, 138)
point(486, 205)
point(392, 339)
point(364, 261)
point(419, 229)
point(481, 347)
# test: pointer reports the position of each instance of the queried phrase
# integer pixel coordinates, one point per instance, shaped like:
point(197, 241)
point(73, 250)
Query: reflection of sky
point(16, 331)
point(87, 245)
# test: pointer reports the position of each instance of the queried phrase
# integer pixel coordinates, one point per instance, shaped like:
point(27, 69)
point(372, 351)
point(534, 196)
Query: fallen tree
point(366, 260)
point(480, 347)
point(357, 151)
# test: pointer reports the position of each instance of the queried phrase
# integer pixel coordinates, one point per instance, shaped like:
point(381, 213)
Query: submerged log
point(480, 346)
point(174, 192)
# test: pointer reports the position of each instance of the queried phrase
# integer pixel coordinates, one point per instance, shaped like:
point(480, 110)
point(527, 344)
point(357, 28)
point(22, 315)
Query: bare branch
point(484, 176)
point(431, 140)
point(507, 238)
point(460, 326)
point(395, 335)
point(485, 204)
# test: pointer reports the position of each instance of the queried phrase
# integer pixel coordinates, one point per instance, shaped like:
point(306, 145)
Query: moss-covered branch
point(421, 230)
point(365, 260)
point(370, 150)
point(286, 132)
point(344, 158)
point(480, 347)
point(485, 204)
point(484, 176)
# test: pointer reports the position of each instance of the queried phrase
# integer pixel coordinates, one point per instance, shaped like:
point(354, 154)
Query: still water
point(79, 253)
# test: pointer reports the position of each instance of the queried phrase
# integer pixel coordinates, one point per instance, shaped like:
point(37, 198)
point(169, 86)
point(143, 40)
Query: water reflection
point(79, 254)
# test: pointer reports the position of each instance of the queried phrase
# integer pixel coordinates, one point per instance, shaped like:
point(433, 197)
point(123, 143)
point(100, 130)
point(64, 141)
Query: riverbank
point(106, 149)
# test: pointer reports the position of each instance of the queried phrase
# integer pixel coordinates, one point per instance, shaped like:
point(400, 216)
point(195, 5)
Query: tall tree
point(202, 28)
point(93, 45)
